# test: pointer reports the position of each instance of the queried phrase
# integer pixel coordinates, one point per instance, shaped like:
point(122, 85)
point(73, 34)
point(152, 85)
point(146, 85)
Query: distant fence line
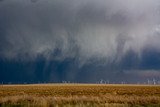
point(101, 81)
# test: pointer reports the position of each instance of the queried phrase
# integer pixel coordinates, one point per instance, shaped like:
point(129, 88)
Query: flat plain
point(80, 95)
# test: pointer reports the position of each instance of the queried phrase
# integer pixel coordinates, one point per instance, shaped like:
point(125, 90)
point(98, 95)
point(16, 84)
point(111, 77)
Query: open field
point(80, 95)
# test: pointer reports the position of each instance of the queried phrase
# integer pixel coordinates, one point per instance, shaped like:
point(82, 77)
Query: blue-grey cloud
point(111, 34)
point(103, 29)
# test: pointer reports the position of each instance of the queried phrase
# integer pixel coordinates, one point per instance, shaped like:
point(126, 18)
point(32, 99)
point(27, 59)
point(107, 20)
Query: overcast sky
point(79, 40)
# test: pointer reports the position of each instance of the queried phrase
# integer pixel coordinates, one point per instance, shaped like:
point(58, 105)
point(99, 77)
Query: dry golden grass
point(80, 95)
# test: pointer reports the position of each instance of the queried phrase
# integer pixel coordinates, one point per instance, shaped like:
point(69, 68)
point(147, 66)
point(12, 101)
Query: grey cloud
point(104, 29)
point(34, 1)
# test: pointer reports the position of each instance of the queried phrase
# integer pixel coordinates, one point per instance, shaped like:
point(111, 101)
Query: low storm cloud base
point(79, 41)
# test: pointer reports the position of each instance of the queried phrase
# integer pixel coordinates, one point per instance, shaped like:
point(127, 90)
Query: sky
point(80, 41)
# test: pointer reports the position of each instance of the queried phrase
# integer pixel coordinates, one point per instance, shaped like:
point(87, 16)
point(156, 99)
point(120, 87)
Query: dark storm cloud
point(73, 36)
point(94, 28)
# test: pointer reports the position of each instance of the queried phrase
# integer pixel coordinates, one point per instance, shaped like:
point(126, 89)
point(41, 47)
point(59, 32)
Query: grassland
point(80, 95)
